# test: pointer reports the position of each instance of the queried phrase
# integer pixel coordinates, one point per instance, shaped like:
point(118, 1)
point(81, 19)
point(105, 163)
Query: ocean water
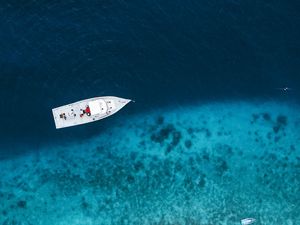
point(212, 137)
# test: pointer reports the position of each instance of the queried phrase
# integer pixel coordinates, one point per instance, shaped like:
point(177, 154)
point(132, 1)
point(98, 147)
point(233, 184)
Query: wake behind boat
point(88, 110)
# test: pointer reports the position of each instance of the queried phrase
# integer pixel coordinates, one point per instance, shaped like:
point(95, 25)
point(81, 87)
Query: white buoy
point(247, 221)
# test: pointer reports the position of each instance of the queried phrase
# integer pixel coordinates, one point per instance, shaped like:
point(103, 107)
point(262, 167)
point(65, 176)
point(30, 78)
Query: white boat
point(86, 111)
point(247, 221)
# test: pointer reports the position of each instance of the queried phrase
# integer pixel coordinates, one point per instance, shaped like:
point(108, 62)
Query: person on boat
point(63, 116)
point(83, 112)
point(87, 110)
point(72, 113)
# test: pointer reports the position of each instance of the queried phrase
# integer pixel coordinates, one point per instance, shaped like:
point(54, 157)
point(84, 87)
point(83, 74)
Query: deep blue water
point(156, 52)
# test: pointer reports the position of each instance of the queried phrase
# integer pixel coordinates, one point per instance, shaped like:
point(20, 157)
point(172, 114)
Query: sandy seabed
point(211, 164)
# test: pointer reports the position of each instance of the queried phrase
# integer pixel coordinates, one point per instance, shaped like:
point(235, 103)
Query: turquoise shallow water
point(207, 164)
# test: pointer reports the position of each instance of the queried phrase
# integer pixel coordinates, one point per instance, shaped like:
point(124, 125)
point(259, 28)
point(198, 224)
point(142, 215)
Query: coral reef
point(165, 171)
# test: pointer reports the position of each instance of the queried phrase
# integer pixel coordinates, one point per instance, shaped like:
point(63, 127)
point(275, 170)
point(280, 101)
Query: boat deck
point(87, 111)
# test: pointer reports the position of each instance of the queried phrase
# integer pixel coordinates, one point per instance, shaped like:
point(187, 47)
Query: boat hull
point(87, 111)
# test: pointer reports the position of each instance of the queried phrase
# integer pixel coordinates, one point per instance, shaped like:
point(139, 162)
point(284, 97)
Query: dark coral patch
point(176, 138)
point(205, 156)
point(221, 166)
point(266, 116)
point(21, 204)
point(138, 166)
point(201, 182)
point(292, 147)
point(142, 144)
point(188, 183)
point(228, 149)
point(168, 149)
point(276, 129)
point(276, 139)
point(192, 130)
point(133, 155)
point(130, 179)
point(207, 133)
point(282, 120)
point(272, 157)
point(163, 134)
point(84, 204)
point(178, 166)
point(160, 120)
point(168, 135)
point(188, 144)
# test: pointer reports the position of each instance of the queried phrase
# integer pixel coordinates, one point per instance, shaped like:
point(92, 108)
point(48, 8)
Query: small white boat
point(247, 221)
point(86, 111)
